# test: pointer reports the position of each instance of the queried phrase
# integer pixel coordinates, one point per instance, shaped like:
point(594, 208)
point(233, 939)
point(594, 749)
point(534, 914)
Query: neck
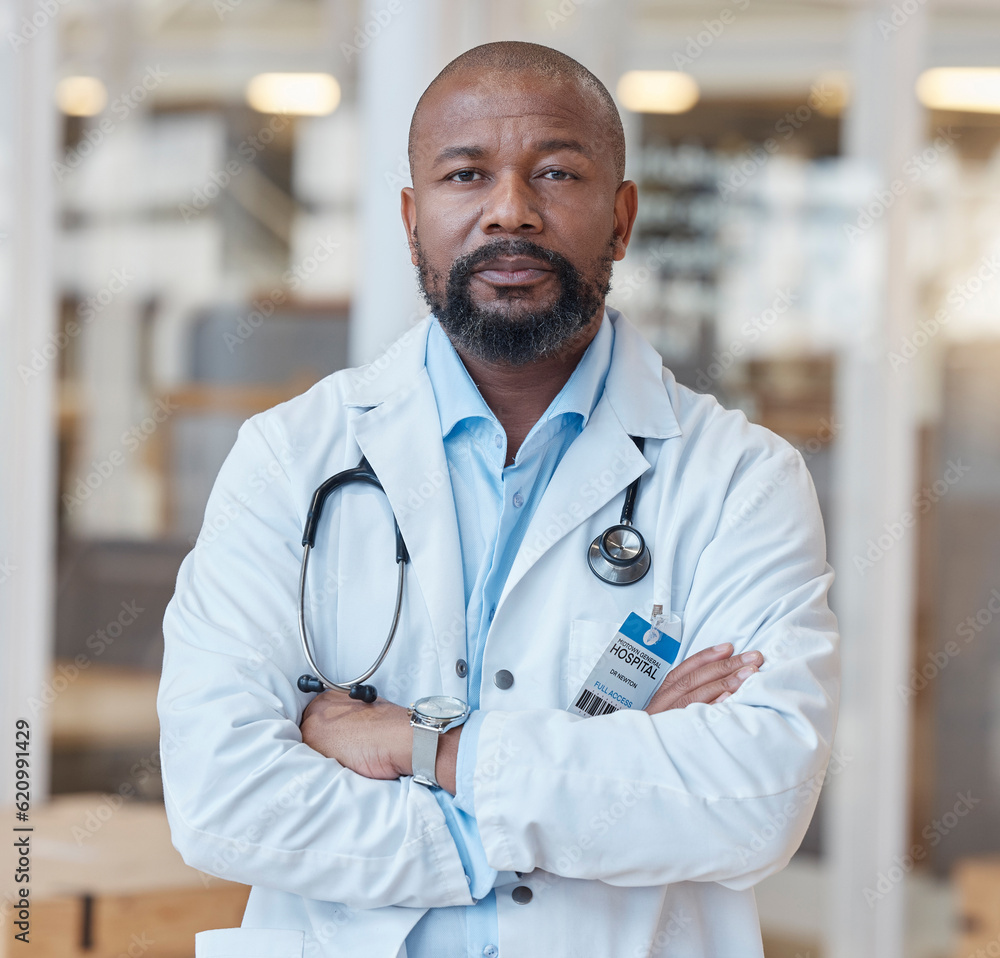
point(518, 395)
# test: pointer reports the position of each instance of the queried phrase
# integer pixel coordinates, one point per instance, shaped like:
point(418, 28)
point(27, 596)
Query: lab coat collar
point(458, 399)
point(634, 388)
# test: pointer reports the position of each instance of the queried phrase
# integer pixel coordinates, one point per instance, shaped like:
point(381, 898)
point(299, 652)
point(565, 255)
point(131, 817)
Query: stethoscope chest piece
point(619, 555)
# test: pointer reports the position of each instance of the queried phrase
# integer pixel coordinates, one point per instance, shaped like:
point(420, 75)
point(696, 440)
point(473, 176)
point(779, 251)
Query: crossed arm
point(376, 740)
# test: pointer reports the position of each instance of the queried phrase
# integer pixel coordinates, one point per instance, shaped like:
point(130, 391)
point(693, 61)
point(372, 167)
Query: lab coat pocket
point(587, 641)
point(248, 943)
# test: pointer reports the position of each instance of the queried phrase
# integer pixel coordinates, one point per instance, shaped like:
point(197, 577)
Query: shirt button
point(462, 668)
point(518, 500)
point(503, 679)
point(522, 894)
point(491, 951)
point(498, 439)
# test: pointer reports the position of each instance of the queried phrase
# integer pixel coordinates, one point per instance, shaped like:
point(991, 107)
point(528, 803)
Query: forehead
point(496, 105)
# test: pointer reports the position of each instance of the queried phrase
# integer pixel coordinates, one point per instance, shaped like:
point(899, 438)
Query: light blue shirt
point(494, 505)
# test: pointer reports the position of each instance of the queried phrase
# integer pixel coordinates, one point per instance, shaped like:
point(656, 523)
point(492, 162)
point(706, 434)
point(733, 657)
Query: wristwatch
point(430, 718)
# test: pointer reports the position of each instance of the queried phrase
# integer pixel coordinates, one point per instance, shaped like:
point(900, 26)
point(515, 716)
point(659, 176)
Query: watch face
point(442, 708)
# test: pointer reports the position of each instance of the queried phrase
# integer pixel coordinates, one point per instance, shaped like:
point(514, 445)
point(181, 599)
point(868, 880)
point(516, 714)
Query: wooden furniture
point(978, 884)
point(106, 881)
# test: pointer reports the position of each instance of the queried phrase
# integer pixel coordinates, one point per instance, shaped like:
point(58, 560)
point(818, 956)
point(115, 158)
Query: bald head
point(491, 61)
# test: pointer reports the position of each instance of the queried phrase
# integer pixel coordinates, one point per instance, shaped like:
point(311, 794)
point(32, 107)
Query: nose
point(511, 206)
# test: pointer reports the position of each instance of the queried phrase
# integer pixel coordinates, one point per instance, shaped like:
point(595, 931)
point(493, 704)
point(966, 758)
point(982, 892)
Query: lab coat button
point(503, 679)
point(491, 951)
point(522, 894)
point(462, 668)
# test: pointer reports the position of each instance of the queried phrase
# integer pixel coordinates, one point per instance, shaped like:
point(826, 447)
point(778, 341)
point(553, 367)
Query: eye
point(558, 175)
point(463, 176)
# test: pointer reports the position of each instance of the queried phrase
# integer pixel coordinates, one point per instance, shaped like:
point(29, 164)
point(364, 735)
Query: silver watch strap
point(425, 746)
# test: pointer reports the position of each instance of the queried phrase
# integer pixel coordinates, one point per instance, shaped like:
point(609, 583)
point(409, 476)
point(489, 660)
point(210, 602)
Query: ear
point(408, 210)
point(626, 207)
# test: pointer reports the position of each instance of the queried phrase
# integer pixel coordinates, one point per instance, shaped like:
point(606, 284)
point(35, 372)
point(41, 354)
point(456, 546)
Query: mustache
point(465, 265)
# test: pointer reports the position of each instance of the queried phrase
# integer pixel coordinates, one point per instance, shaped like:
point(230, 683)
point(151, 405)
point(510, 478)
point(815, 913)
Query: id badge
point(630, 670)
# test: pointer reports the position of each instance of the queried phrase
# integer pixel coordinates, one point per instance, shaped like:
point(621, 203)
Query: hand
point(373, 740)
point(711, 675)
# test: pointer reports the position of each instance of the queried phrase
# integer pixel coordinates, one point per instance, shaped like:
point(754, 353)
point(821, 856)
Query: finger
point(679, 684)
point(711, 691)
point(706, 692)
point(704, 657)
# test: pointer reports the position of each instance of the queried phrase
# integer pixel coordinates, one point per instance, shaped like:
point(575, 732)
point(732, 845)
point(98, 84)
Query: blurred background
point(199, 219)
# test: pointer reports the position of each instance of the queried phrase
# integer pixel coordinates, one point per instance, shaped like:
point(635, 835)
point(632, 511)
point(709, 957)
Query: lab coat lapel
point(599, 464)
point(603, 459)
point(401, 438)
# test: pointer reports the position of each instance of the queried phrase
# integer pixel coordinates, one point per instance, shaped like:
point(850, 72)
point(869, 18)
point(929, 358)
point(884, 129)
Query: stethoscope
point(618, 556)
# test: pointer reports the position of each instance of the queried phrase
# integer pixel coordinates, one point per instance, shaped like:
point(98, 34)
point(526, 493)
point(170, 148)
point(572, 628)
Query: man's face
point(516, 213)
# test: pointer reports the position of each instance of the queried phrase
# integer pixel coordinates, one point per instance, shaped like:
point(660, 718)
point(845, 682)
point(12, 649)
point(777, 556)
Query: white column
point(393, 70)
point(28, 132)
point(875, 480)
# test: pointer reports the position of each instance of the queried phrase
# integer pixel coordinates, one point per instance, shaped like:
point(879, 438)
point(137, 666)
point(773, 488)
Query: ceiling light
point(81, 96)
point(657, 91)
point(301, 94)
point(969, 89)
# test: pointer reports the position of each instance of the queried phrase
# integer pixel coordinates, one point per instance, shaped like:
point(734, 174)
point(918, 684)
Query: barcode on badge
point(594, 704)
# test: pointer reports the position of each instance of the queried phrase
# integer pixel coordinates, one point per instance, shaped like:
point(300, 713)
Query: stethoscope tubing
point(607, 568)
point(304, 632)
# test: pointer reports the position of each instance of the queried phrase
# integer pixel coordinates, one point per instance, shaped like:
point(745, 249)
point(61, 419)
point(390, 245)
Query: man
point(504, 433)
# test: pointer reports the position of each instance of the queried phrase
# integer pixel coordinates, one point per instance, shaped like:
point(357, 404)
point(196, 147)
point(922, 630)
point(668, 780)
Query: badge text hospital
point(630, 670)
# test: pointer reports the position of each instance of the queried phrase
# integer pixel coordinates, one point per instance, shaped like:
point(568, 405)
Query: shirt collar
point(458, 398)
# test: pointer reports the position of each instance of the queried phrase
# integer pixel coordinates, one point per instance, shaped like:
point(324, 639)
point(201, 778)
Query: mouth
point(512, 271)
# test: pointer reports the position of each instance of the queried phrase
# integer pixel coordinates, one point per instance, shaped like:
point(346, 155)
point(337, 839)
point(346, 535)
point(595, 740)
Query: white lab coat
point(637, 834)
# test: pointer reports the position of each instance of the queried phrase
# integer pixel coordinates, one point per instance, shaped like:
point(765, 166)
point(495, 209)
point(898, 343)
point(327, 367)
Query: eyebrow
point(574, 146)
point(460, 152)
point(545, 146)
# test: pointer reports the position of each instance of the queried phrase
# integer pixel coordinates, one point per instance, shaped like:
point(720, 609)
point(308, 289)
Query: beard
point(501, 332)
